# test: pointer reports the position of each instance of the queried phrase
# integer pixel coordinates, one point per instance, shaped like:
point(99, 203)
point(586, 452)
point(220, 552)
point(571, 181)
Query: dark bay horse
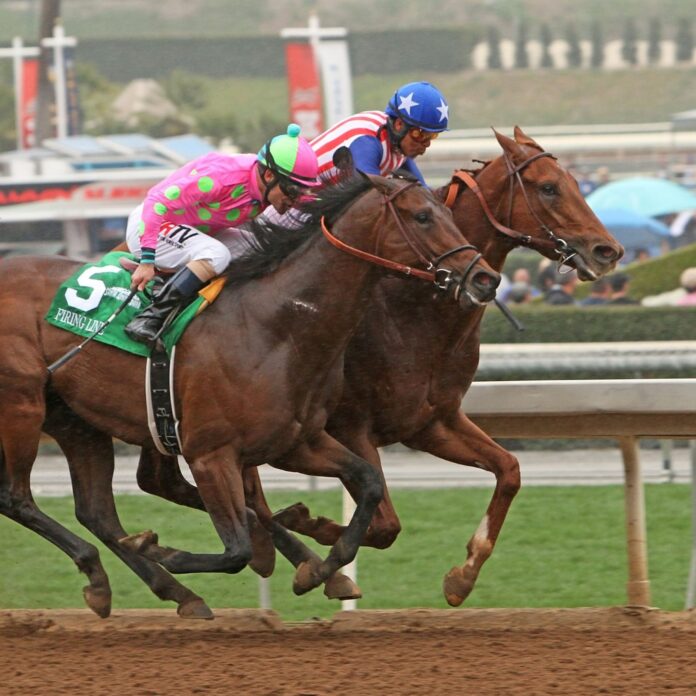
point(412, 358)
point(256, 377)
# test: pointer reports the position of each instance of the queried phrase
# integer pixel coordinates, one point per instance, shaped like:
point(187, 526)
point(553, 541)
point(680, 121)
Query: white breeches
point(178, 245)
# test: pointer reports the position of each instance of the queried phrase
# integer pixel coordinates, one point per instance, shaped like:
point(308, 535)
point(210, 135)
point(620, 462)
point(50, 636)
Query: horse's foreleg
point(160, 475)
point(338, 586)
point(90, 457)
point(219, 479)
point(385, 525)
point(325, 456)
point(459, 440)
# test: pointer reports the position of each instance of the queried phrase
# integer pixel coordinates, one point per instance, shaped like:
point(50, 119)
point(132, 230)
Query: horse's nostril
point(486, 281)
point(608, 253)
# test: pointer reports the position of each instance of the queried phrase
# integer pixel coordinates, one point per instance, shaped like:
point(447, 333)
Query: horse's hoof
point(139, 542)
point(457, 585)
point(291, 516)
point(306, 577)
point(340, 586)
point(263, 559)
point(263, 564)
point(98, 600)
point(195, 609)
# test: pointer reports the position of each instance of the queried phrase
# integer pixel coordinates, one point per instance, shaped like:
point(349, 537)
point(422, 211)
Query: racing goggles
point(290, 189)
point(422, 136)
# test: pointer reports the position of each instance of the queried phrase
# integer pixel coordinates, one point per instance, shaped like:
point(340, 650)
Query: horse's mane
point(269, 243)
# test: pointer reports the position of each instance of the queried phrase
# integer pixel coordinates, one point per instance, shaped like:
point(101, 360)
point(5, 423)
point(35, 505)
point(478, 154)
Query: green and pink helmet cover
point(291, 156)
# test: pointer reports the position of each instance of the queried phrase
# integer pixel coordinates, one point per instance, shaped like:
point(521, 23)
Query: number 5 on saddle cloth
point(90, 304)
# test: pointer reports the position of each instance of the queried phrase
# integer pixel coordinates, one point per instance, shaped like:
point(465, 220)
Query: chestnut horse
point(413, 357)
point(256, 376)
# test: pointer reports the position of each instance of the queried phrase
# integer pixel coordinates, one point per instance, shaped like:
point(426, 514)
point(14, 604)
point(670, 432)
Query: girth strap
point(159, 390)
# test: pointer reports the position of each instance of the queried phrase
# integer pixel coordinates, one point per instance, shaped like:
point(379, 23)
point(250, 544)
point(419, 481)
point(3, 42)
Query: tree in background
point(545, 39)
point(494, 60)
point(256, 133)
point(597, 40)
point(185, 89)
point(654, 39)
point(629, 47)
point(574, 53)
point(521, 57)
point(685, 41)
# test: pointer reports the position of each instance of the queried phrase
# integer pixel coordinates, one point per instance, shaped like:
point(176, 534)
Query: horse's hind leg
point(19, 438)
point(459, 440)
point(90, 457)
point(160, 475)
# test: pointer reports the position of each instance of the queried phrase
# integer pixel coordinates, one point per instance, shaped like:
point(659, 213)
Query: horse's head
point(538, 200)
point(413, 230)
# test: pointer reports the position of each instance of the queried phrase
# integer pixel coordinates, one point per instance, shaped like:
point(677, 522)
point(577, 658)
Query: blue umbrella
point(643, 195)
point(634, 231)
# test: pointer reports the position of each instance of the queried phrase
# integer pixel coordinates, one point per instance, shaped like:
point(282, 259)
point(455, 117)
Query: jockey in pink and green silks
point(187, 222)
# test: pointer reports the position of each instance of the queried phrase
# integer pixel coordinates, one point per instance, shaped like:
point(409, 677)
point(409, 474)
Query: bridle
point(553, 244)
point(442, 278)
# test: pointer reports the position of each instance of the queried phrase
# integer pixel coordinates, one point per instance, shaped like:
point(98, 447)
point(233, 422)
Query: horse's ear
point(378, 182)
point(523, 139)
point(343, 159)
point(508, 144)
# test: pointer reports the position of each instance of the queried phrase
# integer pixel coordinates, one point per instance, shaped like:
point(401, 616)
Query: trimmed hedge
point(553, 324)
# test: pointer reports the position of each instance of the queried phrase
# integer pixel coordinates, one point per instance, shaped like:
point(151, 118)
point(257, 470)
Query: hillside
point(480, 99)
point(206, 79)
point(130, 18)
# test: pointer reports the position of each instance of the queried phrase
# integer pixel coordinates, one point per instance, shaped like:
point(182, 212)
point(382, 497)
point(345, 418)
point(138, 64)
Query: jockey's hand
point(142, 275)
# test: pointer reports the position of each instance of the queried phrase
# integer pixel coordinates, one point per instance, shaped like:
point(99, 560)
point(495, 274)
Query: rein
point(440, 277)
point(553, 244)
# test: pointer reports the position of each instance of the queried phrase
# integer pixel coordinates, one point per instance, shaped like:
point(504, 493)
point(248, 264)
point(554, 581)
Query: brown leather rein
point(441, 277)
point(553, 243)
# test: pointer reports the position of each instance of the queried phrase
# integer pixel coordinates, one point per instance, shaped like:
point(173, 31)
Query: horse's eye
point(549, 189)
point(423, 217)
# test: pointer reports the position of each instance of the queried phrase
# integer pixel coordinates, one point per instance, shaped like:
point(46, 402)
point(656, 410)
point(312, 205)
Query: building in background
point(73, 194)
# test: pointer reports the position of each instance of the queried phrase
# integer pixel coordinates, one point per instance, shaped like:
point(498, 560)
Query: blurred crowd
point(554, 286)
point(558, 287)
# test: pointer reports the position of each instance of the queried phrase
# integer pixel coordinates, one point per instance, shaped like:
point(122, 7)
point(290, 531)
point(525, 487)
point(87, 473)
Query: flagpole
point(58, 42)
point(18, 53)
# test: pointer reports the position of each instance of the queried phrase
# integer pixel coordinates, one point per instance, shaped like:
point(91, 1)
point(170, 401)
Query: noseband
point(442, 278)
point(553, 244)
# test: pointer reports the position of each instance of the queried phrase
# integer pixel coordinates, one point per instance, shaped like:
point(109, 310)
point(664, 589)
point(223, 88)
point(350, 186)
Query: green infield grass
point(560, 547)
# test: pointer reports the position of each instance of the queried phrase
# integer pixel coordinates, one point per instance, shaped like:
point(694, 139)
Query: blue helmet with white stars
point(420, 105)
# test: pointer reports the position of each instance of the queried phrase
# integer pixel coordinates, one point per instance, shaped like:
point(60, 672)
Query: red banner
point(304, 89)
point(27, 109)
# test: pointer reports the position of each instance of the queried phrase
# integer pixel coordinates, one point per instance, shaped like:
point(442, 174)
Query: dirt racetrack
point(249, 652)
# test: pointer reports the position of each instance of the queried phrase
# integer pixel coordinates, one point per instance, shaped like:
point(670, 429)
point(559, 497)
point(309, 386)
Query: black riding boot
point(177, 292)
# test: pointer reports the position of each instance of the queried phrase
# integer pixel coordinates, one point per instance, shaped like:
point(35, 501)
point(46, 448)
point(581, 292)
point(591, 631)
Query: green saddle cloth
point(89, 297)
